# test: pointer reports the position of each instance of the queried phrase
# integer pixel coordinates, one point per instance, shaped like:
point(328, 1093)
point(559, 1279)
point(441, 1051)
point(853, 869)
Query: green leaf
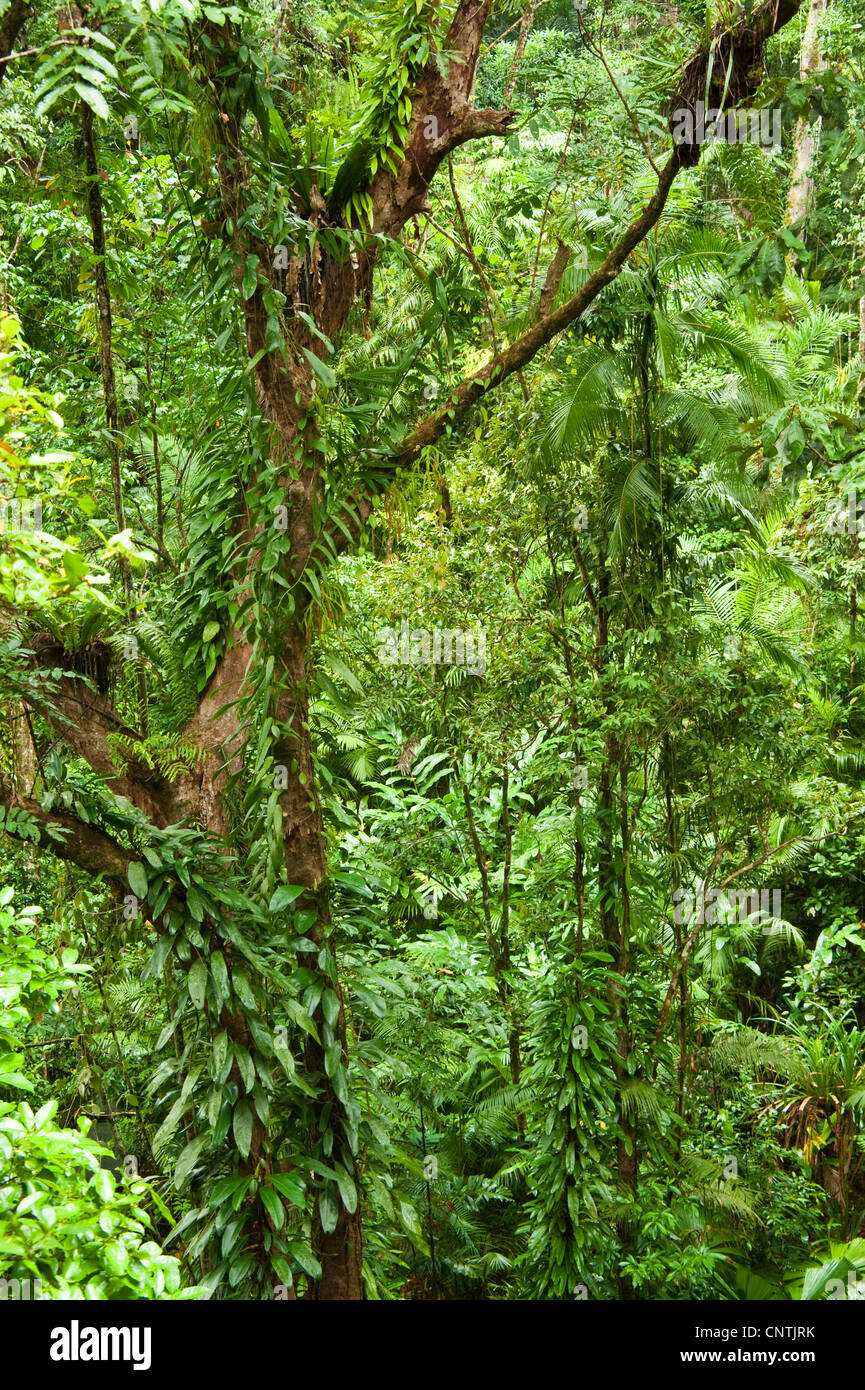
point(242, 1127)
point(186, 1161)
point(283, 1270)
point(272, 335)
point(303, 1256)
point(330, 1007)
point(323, 372)
point(283, 897)
point(116, 1256)
point(95, 100)
point(197, 981)
point(289, 1186)
point(74, 566)
point(301, 1017)
point(250, 282)
point(332, 1058)
point(195, 905)
point(244, 1065)
point(240, 1268)
point(243, 990)
point(220, 1051)
point(219, 971)
point(328, 1210)
point(14, 1078)
point(273, 1206)
point(226, 1188)
point(137, 875)
point(347, 1189)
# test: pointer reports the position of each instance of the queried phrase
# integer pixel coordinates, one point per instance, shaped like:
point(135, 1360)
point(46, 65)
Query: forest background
point(430, 653)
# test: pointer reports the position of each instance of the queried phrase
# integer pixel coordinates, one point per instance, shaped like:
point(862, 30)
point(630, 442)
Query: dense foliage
point(430, 650)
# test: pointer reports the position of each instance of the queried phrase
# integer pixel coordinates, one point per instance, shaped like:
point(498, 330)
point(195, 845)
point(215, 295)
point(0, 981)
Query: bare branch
point(522, 39)
point(557, 267)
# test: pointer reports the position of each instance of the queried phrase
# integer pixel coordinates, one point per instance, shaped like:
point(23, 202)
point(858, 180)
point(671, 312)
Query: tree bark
point(806, 140)
point(522, 39)
point(11, 24)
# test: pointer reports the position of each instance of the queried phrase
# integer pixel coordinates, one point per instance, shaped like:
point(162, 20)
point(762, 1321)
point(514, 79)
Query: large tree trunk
point(807, 138)
point(339, 1251)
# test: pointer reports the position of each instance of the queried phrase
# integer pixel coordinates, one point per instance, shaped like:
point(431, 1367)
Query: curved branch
point(85, 845)
point(504, 364)
point(85, 721)
point(350, 523)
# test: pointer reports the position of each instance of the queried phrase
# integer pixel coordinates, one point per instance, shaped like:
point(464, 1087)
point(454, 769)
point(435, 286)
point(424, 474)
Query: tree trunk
point(522, 39)
point(806, 141)
point(340, 1251)
point(614, 907)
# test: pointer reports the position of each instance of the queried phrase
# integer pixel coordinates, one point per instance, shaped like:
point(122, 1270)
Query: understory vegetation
point(432, 679)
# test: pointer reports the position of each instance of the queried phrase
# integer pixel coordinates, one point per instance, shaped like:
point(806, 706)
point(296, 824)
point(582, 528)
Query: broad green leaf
point(197, 982)
point(187, 1159)
point(137, 875)
point(328, 1210)
point(273, 1206)
point(242, 1127)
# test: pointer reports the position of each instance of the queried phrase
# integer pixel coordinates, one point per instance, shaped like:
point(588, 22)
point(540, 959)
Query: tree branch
point(736, 54)
point(85, 720)
point(556, 269)
point(741, 47)
point(85, 845)
point(504, 364)
point(499, 367)
point(522, 39)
